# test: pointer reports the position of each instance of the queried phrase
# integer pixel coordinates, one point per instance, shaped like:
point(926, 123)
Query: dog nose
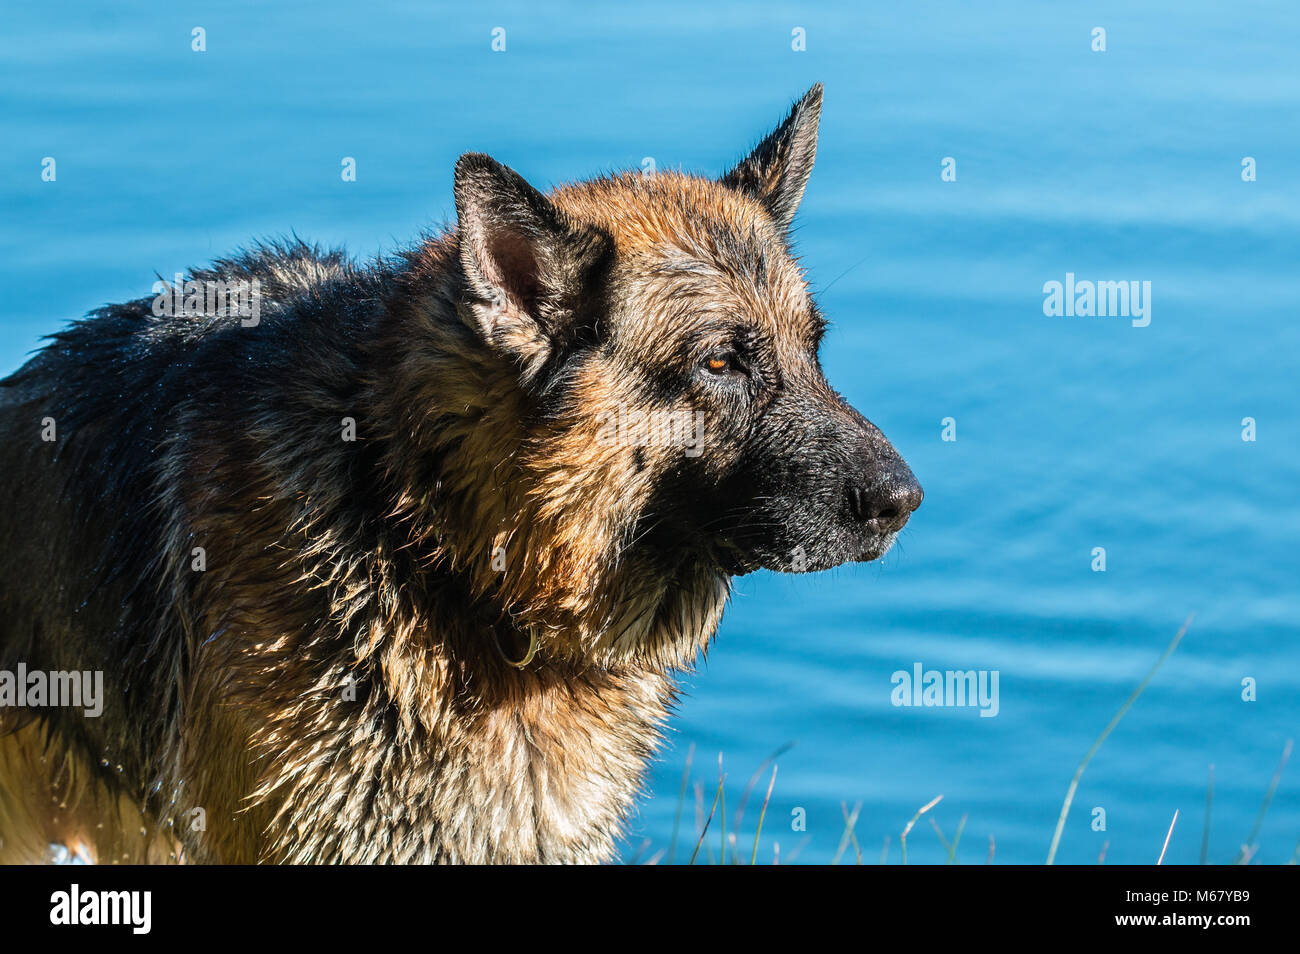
point(885, 505)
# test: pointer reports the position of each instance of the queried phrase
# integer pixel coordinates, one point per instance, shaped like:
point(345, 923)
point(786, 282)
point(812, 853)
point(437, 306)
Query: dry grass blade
point(636, 859)
point(753, 780)
point(799, 850)
point(1250, 844)
point(722, 818)
point(1110, 726)
point(848, 836)
point(705, 830)
point(753, 859)
point(1161, 859)
point(939, 832)
point(956, 840)
point(902, 839)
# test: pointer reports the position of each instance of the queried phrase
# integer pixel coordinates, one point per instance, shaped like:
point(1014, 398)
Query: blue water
point(1072, 433)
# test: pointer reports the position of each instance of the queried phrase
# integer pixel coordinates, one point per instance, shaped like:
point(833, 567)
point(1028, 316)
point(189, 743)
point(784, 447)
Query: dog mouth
point(735, 559)
point(877, 547)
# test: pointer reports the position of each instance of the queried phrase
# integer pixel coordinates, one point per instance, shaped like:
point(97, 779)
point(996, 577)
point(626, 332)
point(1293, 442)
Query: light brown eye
point(719, 363)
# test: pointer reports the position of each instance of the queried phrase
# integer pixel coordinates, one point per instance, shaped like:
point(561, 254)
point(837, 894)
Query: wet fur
point(319, 569)
point(335, 685)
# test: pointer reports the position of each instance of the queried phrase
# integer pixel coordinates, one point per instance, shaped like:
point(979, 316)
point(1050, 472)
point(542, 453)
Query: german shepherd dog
point(403, 569)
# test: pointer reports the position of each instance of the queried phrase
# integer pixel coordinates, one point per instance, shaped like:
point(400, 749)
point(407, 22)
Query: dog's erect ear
point(527, 268)
point(777, 171)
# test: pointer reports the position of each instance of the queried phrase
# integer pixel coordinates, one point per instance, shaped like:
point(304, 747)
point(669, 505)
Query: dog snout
point(884, 504)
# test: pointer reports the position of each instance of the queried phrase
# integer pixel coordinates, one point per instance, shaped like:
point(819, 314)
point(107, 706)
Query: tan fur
point(343, 703)
point(51, 795)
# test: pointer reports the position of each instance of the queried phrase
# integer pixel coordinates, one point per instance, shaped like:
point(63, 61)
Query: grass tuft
point(729, 840)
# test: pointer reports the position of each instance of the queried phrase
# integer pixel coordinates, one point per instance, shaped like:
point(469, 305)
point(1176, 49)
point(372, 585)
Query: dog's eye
point(720, 362)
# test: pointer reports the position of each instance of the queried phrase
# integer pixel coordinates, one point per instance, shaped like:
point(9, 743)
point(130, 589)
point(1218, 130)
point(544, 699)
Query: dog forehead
point(692, 242)
point(647, 211)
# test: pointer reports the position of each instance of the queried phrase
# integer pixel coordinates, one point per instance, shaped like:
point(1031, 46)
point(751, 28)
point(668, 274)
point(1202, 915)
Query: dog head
point(681, 429)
